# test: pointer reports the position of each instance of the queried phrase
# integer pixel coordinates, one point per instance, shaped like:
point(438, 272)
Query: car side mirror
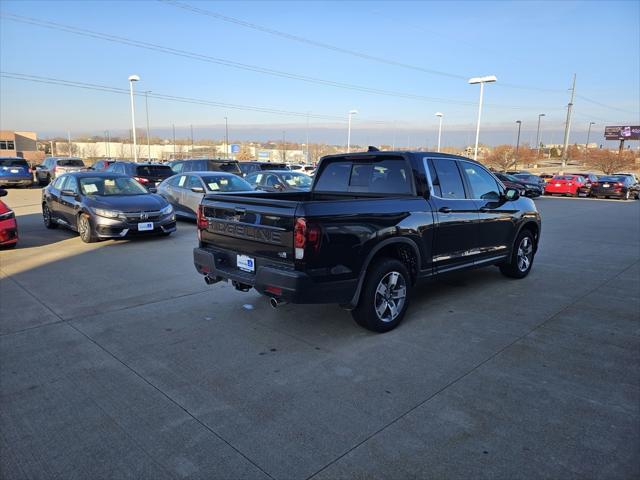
point(278, 186)
point(197, 189)
point(511, 194)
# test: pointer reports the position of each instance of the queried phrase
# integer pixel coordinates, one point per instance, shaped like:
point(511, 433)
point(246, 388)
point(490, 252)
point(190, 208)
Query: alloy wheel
point(390, 296)
point(84, 228)
point(46, 215)
point(525, 251)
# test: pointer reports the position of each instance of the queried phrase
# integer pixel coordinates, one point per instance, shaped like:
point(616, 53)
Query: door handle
point(444, 210)
point(485, 209)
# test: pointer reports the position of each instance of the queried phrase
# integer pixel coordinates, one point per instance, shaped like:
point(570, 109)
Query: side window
point(178, 167)
point(253, 178)
point(447, 181)
point(57, 184)
point(483, 185)
point(70, 184)
point(193, 181)
point(271, 181)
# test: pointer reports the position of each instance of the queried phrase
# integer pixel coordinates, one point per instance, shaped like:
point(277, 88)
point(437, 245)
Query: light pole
point(481, 81)
point(133, 78)
point(538, 136)
point(586, 145)
point(284, 147)
point(191, 127)
point(146, 106)
point(173, 126)
point(519, 122)
point(351, 113)
point(439, 115)
point(226, 138)
point(107, 141)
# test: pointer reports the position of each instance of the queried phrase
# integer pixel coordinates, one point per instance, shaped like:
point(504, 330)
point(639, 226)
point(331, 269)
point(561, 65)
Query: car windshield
point(71, 162)
point(527, 178)
point(564, 177)
point(231, 167)
point(13, 162)
point(511, 178)
point(109, 186)
point(226, 183)
point(296, 180)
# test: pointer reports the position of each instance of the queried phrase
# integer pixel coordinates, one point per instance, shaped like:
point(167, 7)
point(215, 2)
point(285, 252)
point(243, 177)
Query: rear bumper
point(276, 281)
point(8, 232)
point(16, 181)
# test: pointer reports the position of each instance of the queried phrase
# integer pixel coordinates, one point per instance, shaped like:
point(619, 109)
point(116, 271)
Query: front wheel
point(385, 296)
point(85, 229)
point(521, 260)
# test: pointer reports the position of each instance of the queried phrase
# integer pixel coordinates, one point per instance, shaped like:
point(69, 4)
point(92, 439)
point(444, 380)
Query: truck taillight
point(141, 180)
point(203, 223)
point(305, 237)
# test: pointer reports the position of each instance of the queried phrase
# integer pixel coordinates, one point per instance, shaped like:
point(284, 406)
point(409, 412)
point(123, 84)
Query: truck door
point(456, 235)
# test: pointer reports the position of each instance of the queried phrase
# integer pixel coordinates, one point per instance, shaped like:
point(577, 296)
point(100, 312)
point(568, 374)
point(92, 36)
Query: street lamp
point(439, 115)
point(146, 106)
point(519, 122)
point(586, 145)
point(226, 138)
point(351, 113)
point(481, 81)
point(538, 136)
point(133, 78)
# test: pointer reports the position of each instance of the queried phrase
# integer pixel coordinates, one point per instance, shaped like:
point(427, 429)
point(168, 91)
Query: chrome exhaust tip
point(275, 303)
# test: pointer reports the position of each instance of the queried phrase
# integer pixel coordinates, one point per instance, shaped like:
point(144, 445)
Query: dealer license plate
point(245, 263)
point(606, 185)
point(145, 226)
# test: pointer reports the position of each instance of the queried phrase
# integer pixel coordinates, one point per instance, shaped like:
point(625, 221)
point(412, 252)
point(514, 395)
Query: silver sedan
point(185, 191)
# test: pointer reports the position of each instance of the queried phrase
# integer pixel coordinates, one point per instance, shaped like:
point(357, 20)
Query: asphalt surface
point(117, 361)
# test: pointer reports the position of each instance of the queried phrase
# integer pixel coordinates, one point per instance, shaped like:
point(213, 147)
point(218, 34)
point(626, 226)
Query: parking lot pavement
point(117, 361)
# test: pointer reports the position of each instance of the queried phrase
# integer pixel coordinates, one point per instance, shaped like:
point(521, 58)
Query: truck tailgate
point(250, 225)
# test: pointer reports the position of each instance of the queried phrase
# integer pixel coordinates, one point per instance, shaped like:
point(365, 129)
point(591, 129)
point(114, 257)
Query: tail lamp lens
point(306, 237)
point(203, 223)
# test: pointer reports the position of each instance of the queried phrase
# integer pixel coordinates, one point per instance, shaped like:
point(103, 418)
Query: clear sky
point(532, 47)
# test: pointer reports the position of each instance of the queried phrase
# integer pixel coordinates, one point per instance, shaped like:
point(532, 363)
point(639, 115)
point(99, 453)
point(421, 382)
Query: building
point(20, 144)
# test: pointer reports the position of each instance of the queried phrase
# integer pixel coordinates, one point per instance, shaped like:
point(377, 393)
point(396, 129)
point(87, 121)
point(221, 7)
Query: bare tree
point(244, 154)
point(610, 162)
point(501, 158)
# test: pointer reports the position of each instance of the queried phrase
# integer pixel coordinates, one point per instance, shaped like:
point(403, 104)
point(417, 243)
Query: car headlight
point(107, 213)
point(168, 210)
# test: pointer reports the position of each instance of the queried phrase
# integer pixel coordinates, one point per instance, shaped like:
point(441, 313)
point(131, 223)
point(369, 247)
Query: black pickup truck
point(373, 225)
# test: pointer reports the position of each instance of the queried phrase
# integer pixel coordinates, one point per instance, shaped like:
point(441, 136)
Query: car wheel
point(385, 296)
point(85, 229)
point(48, 220)
point(521, 261)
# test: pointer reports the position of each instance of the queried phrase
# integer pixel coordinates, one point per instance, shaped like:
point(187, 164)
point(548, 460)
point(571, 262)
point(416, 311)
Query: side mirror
point(511, 194)
point(197, 190)
point(3, 192)
point(278, 186)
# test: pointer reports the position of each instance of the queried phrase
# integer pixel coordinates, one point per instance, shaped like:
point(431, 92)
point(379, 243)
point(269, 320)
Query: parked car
point(101, 205)
point(185, 191)
point(249, 167)
point(616, 186)
point(280, 181)
point(525, 189)
point(374, 225)
point(15, 171)
point(8, 224)
point(53, 167)
point(148, 174)
point(590, 179)
point(102, 165)
point(206, 165)
point(565, 185)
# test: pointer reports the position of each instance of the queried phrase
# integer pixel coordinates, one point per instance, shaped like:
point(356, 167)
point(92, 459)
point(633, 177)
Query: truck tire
point(521, 260)
point(385, 296)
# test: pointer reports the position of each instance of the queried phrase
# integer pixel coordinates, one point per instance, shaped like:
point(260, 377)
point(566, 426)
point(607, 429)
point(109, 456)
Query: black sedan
point(279, 181)
point(615, 186)
point(101, 205)
point(531, 189)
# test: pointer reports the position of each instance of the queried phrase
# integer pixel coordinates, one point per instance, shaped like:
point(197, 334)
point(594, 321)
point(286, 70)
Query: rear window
point(612, 179)
point(13, 162)
point(274, 166)
point(564, 177)
point(154, 171)
point(230, 167)
point(70, 163)
point(386, 176)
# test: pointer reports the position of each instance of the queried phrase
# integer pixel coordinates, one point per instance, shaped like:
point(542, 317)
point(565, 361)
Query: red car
point(565, 185)
point(8, 224)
